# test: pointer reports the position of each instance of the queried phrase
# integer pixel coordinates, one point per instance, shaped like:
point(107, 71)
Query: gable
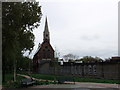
point(46, 46)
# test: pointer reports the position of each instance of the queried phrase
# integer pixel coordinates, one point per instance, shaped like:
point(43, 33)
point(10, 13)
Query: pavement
point(34, 78)
point(79, 85)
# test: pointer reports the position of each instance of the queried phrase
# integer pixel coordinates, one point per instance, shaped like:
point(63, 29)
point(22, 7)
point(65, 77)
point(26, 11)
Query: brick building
point(45, 50)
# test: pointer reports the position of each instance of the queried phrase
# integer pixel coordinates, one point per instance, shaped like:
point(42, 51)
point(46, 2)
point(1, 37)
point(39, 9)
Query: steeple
point(46, 32)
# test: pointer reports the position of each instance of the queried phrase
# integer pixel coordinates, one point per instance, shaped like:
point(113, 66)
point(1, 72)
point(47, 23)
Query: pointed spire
point(46, 25)
point(46, 31)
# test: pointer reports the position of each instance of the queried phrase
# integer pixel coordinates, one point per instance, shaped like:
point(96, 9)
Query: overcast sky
point(80, 27)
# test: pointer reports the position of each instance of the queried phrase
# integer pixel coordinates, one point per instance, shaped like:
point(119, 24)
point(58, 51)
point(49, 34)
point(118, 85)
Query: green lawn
point(76, 78)
point(43, 76)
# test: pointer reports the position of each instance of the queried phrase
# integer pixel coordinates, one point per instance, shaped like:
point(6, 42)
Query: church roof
point(41, 46)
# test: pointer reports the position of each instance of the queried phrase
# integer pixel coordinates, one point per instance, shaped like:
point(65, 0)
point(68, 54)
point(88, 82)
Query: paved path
point(34, 78)
point(76, 85)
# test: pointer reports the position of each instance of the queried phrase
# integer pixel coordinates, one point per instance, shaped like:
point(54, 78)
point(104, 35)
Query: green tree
point(90, 59)
point(18, 21)
point(23, 63)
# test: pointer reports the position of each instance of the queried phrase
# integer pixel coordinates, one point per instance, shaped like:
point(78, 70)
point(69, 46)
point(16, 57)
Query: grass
point(43, 76)
point(76, 78)
point(23, 72)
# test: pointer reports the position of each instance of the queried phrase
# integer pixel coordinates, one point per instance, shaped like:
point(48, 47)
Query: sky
point(80, 27)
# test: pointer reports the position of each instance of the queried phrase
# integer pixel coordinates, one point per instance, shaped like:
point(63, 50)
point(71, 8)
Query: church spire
point(46, 32)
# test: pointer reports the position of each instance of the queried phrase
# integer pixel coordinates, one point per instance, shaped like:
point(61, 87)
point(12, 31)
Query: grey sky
point(81, 27)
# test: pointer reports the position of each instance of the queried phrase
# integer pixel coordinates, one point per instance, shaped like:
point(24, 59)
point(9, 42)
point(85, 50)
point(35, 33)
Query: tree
point(18, 21)
point(90, 59)
point(23, 66)
point(70, 57)
point(98, 59)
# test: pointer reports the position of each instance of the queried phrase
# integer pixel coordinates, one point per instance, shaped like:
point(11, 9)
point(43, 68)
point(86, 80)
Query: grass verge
point(76, 78)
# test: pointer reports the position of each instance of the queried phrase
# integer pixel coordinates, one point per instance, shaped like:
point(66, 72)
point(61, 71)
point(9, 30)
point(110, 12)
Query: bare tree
point(70, 57)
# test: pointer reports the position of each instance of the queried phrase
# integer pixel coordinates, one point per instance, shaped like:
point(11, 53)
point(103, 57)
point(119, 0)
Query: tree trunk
point(14, 70)
point(3, 71)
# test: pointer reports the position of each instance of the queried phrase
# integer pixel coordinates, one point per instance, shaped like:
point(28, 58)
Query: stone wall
point(104, 70)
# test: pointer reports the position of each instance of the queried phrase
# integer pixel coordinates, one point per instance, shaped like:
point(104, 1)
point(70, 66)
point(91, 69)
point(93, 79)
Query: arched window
point(90, 68)
point(94, 69)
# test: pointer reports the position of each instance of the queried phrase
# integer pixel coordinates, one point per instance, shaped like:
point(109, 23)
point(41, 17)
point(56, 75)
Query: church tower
point(46, 34)
point(45, 51)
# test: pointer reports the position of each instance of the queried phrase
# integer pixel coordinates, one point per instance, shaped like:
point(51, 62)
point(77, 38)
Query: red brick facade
point(45, 50)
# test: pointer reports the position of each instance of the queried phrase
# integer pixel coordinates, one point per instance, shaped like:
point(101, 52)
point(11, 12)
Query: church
point(45, 51)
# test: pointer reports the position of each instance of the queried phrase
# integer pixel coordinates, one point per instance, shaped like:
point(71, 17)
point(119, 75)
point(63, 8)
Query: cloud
point(89, 37)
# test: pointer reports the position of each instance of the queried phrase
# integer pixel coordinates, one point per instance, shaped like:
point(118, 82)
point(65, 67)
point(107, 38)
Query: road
point(79, 85)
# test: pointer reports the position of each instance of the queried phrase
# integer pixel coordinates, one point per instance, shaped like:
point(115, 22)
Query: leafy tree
point(18, 21)
point(23, 63)
point(90, 59)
